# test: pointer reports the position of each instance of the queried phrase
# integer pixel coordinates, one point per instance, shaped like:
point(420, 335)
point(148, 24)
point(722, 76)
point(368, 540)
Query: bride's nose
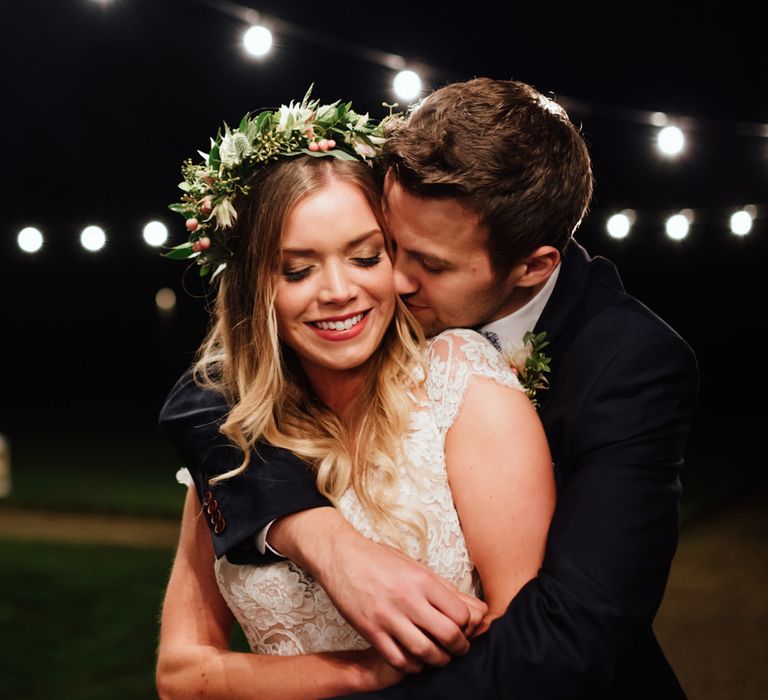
point(337, 287)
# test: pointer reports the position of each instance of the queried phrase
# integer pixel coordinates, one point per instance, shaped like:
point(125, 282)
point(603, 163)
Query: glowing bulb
point(165, 299)
point(155, 233)
point(678, 227)
point(619, 225)
point(407, 85)
point(670, 140)
point(257, 41)
point(93, 238)
point(741, 222)
point(30, 240)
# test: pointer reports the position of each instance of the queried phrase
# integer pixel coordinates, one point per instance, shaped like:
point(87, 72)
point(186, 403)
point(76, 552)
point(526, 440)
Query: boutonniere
point(530, 363)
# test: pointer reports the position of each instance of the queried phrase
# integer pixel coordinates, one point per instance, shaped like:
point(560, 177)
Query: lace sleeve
point(454, 357)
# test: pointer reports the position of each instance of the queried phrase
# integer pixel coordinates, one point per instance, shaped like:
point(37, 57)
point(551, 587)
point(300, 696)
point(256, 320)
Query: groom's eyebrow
point(429, 257)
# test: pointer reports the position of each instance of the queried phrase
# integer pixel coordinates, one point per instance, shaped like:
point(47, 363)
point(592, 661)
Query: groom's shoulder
point(626, 325)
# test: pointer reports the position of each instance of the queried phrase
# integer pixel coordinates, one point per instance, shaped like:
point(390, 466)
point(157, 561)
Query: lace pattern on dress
point(454, 357)
point(283, 610)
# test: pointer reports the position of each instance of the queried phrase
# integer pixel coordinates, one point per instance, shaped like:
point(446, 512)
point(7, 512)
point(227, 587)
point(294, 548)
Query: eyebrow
point(352, 244)
point(428, 256)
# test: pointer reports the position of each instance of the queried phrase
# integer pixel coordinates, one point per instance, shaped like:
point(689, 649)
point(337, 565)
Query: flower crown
point(305, 128)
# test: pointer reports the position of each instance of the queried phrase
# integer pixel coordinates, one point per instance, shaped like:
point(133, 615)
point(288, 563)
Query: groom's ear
point(538, 266)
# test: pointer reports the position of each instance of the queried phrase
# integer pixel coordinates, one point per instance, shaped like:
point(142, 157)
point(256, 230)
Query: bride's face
point(335, 293)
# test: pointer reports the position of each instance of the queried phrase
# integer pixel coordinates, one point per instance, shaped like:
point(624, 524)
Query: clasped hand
point(408, 613)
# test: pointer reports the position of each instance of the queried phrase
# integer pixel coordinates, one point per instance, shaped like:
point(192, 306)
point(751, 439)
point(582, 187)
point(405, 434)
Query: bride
point(430, 447)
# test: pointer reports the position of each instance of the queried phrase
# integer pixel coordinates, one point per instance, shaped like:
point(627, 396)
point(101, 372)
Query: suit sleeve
point(275, 484)
point(614, 533)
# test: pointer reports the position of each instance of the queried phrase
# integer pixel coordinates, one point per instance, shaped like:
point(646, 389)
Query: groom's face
point(442, 268)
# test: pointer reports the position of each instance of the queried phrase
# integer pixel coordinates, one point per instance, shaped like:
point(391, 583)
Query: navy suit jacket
point(617, 414)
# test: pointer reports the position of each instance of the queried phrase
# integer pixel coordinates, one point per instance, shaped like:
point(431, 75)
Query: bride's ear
point(538, 266)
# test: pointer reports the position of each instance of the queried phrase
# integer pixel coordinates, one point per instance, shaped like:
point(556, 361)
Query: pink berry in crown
point(313, 146)
point(196, 247)
point(205, 243)
point(331, 143)
point(323, 144)
point(206, 206)
point(192, 224)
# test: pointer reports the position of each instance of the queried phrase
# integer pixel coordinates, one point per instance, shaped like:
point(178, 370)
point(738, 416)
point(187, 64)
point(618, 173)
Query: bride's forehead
point(334, 215)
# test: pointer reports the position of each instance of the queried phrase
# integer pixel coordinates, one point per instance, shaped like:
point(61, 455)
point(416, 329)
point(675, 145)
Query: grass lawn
point(128, 473)
point(81, 621)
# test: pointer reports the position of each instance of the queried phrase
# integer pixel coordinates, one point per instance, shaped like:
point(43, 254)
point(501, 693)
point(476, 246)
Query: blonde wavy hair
point(271, 399)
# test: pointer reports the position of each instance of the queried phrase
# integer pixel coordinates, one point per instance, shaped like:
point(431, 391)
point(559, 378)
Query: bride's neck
point(338, 390)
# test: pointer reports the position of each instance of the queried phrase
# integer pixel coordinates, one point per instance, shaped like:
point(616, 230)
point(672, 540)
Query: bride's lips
point(358, 320)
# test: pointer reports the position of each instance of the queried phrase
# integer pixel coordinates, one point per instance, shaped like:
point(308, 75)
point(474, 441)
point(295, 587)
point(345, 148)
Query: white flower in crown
point(362, 148)
point(235, 146)
point(294, 116)
point(224, 213)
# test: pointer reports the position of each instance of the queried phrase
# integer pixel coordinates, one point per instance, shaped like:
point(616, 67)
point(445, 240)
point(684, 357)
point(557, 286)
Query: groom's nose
point(405, 282)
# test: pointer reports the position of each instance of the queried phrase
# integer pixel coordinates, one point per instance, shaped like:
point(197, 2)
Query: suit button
point(207, 498)
point(218, 528)
point(212, 506)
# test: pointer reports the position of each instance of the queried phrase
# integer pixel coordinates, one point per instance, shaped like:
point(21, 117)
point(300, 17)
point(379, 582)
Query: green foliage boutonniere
point(530, 363)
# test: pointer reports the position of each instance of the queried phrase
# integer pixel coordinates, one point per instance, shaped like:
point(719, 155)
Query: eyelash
point(433, 270)
point(298, 275)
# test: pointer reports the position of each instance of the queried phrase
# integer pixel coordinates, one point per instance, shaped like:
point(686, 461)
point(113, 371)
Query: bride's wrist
point(365, 670)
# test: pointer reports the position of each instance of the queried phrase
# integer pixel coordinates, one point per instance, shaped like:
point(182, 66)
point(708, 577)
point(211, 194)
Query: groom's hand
point(408, 613)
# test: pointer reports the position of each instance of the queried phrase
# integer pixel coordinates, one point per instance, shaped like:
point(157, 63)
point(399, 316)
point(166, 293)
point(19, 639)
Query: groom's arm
point(568, 632)
point(275, 484)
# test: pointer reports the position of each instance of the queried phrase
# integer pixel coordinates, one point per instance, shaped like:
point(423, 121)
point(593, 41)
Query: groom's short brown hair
point(507, 152)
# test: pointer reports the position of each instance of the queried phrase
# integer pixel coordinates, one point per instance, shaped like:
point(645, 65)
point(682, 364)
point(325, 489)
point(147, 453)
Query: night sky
point(102, 103)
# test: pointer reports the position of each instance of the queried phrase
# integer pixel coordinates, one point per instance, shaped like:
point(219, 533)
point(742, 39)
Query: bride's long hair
point(243, 357)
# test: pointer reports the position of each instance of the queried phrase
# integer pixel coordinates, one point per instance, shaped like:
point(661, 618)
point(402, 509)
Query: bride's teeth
point(339, 325)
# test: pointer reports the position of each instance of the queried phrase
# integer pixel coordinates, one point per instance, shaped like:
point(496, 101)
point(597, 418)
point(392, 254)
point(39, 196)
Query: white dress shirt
point(511, 329)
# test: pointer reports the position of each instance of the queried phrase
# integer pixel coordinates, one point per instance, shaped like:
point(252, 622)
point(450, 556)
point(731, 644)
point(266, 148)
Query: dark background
point(103, 101)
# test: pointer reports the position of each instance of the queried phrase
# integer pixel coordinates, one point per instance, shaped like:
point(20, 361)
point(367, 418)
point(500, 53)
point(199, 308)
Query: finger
point(394, 654)
point(417, 644)
point(477, 610)
point(443, 631)
point(450, 603)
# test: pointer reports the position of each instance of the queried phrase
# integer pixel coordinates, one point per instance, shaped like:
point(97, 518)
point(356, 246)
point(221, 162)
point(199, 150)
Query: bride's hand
point(379, 674)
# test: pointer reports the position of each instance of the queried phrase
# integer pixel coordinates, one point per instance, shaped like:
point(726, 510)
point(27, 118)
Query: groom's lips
point(413, 307)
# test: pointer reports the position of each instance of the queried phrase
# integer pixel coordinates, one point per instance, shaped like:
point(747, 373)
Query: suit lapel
point(573, 301)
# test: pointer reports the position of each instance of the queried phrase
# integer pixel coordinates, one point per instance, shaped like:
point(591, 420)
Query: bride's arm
point(500, 471)
point(194, 659)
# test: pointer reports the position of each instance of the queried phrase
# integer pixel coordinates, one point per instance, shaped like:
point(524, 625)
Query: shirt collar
point(511, 329)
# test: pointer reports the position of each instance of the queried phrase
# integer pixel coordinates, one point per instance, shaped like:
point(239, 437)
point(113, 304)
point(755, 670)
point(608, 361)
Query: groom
point(485, 184)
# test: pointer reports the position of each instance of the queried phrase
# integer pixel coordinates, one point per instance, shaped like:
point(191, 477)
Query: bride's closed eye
point(296, 275)
point(368, 261)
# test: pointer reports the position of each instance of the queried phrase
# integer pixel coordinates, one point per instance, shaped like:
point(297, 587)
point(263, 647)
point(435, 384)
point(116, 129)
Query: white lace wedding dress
point(281, 608)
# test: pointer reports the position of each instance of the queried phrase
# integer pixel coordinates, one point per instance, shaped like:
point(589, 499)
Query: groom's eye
point(430, 266)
